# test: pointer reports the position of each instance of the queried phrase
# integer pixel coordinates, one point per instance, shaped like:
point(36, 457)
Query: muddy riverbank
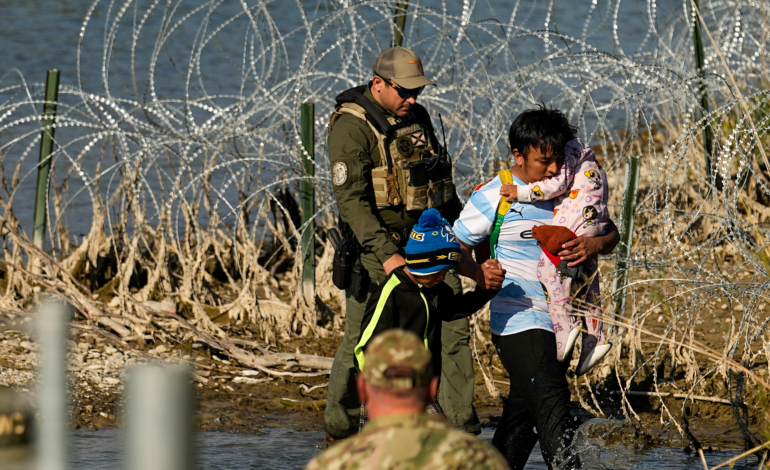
point(236, 399)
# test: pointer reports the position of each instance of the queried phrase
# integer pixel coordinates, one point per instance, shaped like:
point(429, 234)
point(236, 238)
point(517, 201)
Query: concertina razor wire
point(183, 122)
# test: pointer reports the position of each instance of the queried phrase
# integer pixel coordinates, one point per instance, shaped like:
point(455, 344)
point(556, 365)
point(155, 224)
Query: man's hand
point(583, 248)
point(392, 263)
point(490, 278)
point(579, 250)
point(492, 275)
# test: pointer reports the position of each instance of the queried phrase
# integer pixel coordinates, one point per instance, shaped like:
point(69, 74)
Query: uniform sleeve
point(381, 314)
point(477, 217)
point(350, 147)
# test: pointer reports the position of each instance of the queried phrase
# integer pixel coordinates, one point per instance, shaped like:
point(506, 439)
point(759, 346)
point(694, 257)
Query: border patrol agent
point(387, 167)
point(396, 384)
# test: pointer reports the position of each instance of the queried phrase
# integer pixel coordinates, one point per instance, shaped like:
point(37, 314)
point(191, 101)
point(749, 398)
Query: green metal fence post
point(627, 216)
point(46, 148)
point(708, 132)
point(308, 201)
point(399, 22)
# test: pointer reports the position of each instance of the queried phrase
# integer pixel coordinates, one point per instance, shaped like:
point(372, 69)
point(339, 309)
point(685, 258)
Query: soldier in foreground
point(387, 168)
point(396, 385)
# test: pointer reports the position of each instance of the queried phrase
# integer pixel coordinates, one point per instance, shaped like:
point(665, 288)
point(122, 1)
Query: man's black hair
point(543, 128)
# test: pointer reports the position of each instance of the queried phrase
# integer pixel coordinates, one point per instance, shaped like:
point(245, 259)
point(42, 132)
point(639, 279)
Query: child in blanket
point(580, 210)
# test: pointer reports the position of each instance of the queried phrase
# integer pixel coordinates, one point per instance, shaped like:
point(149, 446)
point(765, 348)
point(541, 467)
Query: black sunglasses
point(403, 92)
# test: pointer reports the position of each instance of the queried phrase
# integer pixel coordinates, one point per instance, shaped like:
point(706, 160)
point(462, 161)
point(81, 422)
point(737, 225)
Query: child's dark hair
point(548, 129)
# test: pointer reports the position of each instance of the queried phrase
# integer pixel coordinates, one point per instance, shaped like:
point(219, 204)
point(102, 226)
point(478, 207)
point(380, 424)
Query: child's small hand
point(493, 275)
point(509, 191)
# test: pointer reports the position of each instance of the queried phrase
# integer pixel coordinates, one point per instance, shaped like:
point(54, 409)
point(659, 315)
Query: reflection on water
point(283, 448)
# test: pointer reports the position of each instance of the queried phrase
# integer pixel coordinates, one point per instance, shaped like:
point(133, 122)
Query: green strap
point(495, 234)
point(502, 208)
point(367, 335)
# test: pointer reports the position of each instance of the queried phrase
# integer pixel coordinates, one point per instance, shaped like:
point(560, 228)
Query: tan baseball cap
point(397, 359)
point(402, 66)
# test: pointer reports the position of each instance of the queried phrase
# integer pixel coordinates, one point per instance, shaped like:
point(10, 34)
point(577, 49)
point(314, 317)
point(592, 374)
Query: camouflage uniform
point(398, 359)
point(410, 442)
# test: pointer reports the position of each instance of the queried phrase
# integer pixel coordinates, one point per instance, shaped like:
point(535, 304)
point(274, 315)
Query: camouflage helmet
point(398, 359)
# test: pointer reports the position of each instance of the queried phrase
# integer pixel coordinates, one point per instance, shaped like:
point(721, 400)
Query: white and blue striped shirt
point(521, 303)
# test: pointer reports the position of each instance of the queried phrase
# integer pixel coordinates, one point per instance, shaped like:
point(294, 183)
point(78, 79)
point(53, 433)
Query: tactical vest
point(412, 172)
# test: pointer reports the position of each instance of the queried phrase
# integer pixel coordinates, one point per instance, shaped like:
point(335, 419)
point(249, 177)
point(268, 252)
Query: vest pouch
point(435, 169)
point(435, 193)
point(416, 198)
point(449, 189)
point(417, 188)
point(435, 180)
point(418, 174)
point(446, 169)
point(380, 183)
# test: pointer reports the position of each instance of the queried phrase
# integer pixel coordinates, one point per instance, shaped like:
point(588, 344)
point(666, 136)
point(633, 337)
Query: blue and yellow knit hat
point(432, 246)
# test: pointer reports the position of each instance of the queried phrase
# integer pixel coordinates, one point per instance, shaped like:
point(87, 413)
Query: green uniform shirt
point(406, 442)
point(352, 142)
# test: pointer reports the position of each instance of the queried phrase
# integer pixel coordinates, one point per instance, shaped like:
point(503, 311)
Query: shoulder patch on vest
point(418, 139)
point(339, 173)
point(405, 146)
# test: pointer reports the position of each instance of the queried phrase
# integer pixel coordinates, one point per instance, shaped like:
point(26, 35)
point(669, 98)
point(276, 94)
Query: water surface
point(284, 448)
point(38, 35)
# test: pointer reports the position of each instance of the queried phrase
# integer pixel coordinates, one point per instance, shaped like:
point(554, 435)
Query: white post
point(159, 418)
point(53, 394)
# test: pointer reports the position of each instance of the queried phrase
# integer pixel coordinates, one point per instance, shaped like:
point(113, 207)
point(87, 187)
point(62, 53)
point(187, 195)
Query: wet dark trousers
point(537, 406)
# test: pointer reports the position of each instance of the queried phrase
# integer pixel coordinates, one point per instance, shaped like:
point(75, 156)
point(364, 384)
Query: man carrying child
point(538, 403)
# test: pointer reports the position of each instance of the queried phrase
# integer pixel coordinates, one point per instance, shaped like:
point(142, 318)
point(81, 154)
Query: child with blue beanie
point(414, 296)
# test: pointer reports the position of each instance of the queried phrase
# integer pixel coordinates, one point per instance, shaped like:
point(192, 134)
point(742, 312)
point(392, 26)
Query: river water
point(282, 448)
point(37, 35)
point(287, 448)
